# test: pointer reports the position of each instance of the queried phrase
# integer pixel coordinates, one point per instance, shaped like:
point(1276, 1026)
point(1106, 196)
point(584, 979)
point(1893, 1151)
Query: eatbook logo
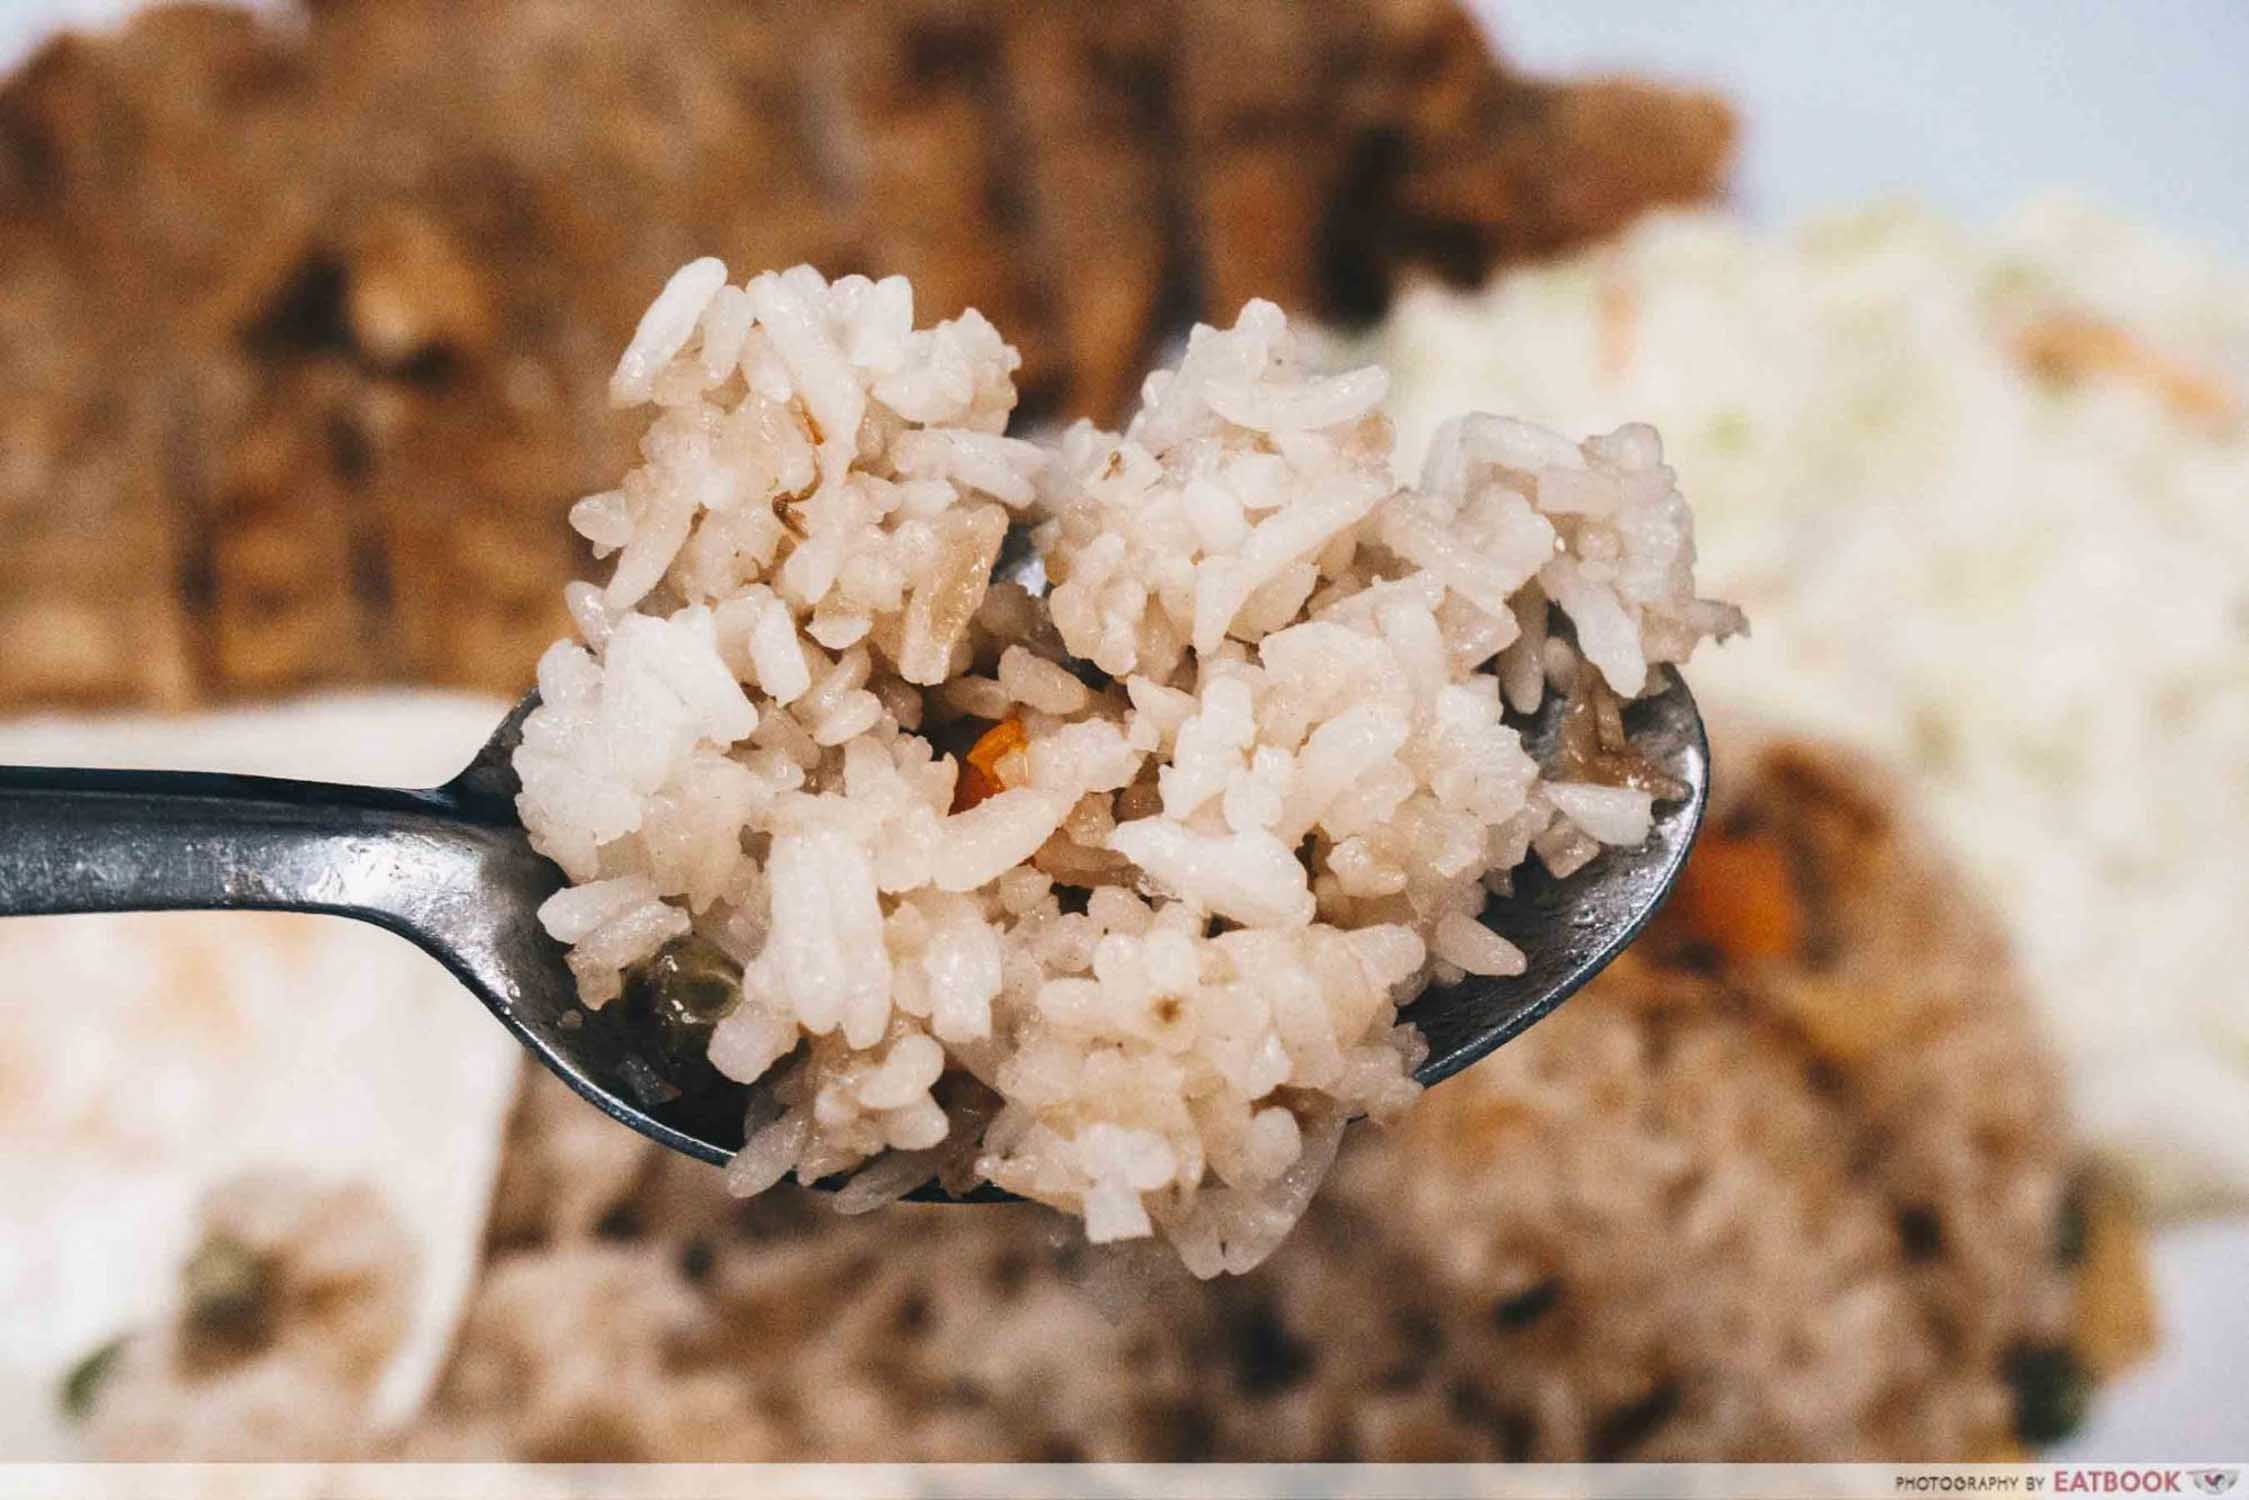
point(2214, 1481)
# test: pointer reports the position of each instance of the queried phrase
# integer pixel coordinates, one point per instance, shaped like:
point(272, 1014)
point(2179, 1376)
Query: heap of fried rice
point(1108, 896)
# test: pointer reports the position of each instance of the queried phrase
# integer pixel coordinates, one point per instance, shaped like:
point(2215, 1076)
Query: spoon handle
point(95, 841)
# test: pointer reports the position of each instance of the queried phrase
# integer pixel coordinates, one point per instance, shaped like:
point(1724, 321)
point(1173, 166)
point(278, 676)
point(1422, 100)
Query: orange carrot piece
point(980, 776)
point(1736, 894)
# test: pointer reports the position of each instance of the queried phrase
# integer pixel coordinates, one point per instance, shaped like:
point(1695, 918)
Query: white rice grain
point(1613, 814)
point(665, 328)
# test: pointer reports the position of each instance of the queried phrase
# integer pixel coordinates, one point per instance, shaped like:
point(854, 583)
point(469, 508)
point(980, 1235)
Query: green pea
point(84, 1382)
point(2051, 1392)
point(690, 984)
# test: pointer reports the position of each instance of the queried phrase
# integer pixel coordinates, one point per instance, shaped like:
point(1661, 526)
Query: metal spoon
point(452, 870)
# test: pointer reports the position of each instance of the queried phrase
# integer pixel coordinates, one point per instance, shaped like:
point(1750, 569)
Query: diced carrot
point(1736, 895)
point(972, 787)
point(980, 769)
point(2071, 347)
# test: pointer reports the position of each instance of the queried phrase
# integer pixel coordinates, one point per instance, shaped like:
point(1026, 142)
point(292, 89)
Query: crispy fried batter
point(309, 326)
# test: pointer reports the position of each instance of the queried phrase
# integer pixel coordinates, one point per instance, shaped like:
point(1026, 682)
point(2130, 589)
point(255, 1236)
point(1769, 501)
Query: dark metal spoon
point(451, 869)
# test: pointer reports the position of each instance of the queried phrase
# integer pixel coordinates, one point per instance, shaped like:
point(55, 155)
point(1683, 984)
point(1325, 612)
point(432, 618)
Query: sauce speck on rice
point(1109, 898)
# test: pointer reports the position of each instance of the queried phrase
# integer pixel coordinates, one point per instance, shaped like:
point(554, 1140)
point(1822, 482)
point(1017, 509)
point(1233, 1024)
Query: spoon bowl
point(1570, 929)
point(452, 869)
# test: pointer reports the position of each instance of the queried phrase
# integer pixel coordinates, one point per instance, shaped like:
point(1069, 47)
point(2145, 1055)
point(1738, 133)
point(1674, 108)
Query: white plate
point(149, 1058)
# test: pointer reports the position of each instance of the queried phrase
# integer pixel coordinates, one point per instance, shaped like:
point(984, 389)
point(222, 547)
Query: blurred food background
point(306, 316)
